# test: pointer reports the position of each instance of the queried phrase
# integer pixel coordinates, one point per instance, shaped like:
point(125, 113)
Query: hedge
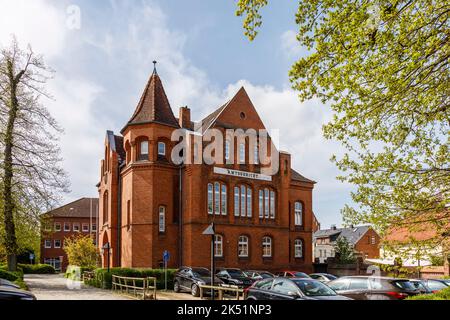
point(103, 278)
point(443, 294)
point(72, 272)
point(16, 276)
point(37, 269)
point(8, 275)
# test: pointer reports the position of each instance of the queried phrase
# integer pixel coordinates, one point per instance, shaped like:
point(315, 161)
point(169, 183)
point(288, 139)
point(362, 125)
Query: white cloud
point(290, 45)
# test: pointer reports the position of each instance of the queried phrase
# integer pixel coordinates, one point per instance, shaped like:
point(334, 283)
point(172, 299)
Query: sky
point(102, 52)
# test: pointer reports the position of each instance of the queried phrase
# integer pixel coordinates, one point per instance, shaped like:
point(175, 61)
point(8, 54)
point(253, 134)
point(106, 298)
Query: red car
point(292, 274)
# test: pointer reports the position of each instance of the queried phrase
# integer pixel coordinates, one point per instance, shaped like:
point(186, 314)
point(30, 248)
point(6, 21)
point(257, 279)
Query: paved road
point(56, 287)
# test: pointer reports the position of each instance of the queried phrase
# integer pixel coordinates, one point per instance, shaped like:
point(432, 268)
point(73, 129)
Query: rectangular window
point(47, 227)
point(162, 219)
point(243, 193)
point(223, 199)
point(85, 227)
point(266, 203)
point(272, 204)
point(227, 150)
point(94, 227)
point(57, 226)
point(298, 213)
point(76, 227)
point(217, 198)
point(249, 202)
point(242, 153)
point(161, 148)
point(48, 244)
point(243, 247)
point(218, 246)
point(57, 244)
point(210, 198)
point(256, 154)
point(236, 201)
point(373, 240)
point(261, 204)
point(66, 226)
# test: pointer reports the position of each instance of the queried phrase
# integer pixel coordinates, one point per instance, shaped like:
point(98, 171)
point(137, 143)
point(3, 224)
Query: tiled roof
point(210, 119)
point(353, 235)
point(119, 148)
point(298, 177)
point(80, 208)
point(154, 105)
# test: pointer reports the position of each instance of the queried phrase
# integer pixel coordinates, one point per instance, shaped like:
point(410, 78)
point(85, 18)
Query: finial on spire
point(154, 67)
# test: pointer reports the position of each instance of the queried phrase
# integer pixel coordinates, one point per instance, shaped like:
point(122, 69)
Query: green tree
point(344, 252)
point(383, 68)
point(81, 251)
point(31, 178)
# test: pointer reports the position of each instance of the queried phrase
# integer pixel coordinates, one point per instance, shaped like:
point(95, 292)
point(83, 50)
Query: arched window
point(267, 247)
point(161, 148)
point(298, 213)
point(162, 219)
point(218, 245)
point(242, 201)
point(217, 198)
point(242, 153)
point(298, 248)
point(243, 247)
point(227, 150)
point(267, 204)
point(105, 207)
point(143, 150)
point(256, 154)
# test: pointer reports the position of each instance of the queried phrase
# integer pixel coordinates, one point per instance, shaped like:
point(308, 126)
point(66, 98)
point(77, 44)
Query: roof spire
point(154, 67)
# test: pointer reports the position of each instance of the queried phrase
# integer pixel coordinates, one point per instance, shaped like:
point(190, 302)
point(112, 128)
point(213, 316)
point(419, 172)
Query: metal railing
point(144, 288)
point(237, 293)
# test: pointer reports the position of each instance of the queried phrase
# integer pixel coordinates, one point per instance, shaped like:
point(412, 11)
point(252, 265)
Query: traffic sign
point(166, 256)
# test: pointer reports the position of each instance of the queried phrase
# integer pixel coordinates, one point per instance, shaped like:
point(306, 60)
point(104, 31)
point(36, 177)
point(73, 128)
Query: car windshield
point(404, 284)
point(330, 277)
point(314, 288)
point(301, 275)
point(236, 273)
point(201, 272)
point(266, 275)
point(435, 285)
point(447, 281)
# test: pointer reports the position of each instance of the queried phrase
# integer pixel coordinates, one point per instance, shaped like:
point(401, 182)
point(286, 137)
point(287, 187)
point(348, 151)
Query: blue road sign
point(31, 256)
point(166, 256)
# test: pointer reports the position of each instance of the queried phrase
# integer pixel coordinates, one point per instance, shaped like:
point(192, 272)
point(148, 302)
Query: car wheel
point(195, 290)
point(176, 287)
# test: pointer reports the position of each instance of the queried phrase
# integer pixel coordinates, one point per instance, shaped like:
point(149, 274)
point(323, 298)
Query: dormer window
point(161, 149)
point(143, 150)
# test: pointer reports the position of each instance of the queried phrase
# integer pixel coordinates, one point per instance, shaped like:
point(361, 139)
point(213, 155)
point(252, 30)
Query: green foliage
point(76, 272)
point(443, 294)
point(437, 260)
point(382, 67)
point(252, 21)
point(81, 251)
point(103, 278)
point(344, 252)
point(8, 275)
point(37, 268)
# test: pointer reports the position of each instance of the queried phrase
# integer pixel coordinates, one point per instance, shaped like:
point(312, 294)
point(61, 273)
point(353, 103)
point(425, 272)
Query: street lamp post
point(210, 231)
point(107, 247)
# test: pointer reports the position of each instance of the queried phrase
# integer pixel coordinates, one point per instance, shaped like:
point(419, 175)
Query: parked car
point(233, 276)
point(291, 289)
point(258, 275)
point(292, 274)
point(421, 285)
point(7, 283)
point(373, 288)
point(323, 277)
point(189, 279)
point(11, 293)
point(436, 284)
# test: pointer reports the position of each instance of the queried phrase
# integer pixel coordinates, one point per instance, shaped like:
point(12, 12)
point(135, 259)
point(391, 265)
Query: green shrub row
point(9, 275)
point(37, 269)
point(103, 278)
point(443, 294)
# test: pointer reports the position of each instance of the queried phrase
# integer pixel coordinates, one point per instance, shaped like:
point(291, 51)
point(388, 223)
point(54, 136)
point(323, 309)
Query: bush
point(443, 294)
point(72, 272)
point(103, 278)
point(8, 275)
point(81, 251)
point(37, 269)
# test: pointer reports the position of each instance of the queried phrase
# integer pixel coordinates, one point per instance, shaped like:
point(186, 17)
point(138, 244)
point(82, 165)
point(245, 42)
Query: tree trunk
point(8, 203)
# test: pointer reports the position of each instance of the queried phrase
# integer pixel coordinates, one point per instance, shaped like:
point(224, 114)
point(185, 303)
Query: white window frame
point(83, 227)
point(67, 227)
point(266, 203)
point(75, 226)
point(256, 154)
point(162, 219)
point(161, 152)
point(237, 201)
point(218, 245)
point(47, 244)
point(243, 201)
point(261, 204)
point(144, 146)
point(210, 198)
point(94, 227)
point(223, 199)
point(249, 202)
point(242, 153)
point(227, 150)
point(373, 240)
point(243, 246)
point(57, 246)
point(216, 198)
point(298, 248)
point(267, 246)
point(298, 213)
point(57, 229)
point(272, 204)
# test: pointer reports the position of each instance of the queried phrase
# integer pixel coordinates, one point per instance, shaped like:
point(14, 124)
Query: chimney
point(333, 227)
point(185, 118)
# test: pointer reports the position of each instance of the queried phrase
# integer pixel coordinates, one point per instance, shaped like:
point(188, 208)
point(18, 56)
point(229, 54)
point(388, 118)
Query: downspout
point(180, 217)
point(119, 217)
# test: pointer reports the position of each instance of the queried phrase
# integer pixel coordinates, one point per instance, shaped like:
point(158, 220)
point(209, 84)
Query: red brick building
point(149, 204)
point(75, 218)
